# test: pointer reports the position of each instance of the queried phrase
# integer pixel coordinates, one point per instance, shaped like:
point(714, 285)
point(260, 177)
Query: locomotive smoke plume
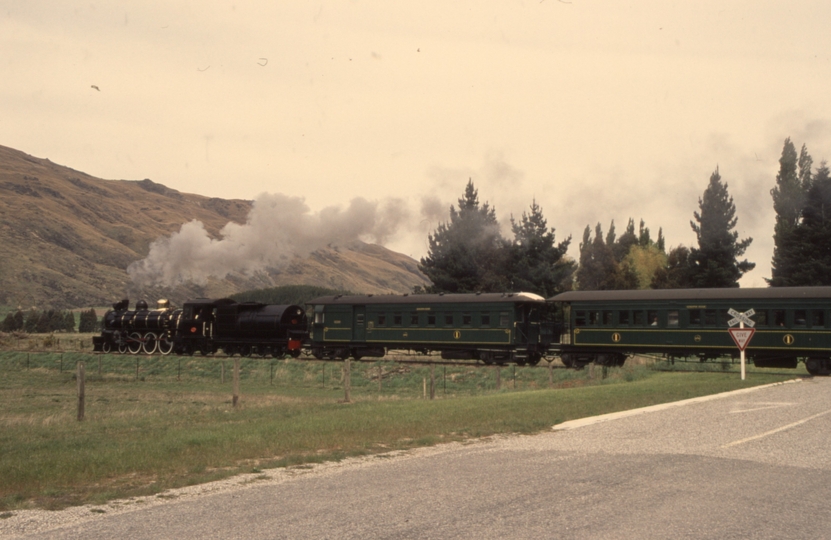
point(278, 228)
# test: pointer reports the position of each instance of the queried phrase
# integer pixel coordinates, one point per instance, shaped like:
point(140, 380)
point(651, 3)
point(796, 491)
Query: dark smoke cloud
point(278, 229)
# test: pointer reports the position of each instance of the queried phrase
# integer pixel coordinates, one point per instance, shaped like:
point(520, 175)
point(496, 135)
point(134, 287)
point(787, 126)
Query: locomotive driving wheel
point(134, 343)
point(151, 343)
point(165, 347)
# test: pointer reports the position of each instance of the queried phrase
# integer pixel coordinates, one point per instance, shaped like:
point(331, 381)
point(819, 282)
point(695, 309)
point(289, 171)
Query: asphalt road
point(748, 465)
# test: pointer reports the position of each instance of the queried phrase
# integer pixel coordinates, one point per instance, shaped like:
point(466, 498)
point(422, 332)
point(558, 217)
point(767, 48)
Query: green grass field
point(153, 423)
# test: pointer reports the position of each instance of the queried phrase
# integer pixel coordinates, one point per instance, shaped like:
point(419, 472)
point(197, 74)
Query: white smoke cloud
point(278, 228)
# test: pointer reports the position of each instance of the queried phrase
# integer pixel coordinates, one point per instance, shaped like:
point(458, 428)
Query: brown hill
point(67, 239)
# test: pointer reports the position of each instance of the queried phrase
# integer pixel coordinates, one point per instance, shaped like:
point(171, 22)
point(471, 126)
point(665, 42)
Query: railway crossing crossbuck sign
point(741, 335)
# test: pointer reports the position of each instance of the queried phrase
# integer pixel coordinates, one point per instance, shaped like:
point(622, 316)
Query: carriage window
point(761, 318)
point(640, 318)
point(319, 318)
point(710, 317)
point(607, 317)
point(486, 319)
point(800, 317)
point(817, 318)
point(448, 319)
point(652, 317)
point(623, 317)
point(724, 316)
point(672, 318)
point(695, 316)
point(466, 319)
point(579, 318)
point(504, 319)
point(594, 318)
point(778, 317)
point(431, 320)
point(382, 320)
point(397, 319)
point(414, 319)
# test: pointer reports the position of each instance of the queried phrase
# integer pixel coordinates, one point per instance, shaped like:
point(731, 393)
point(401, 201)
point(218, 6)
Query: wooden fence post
point(236, 382)
point(432, 381)
point(222, 372)
point(551, 374)
point(347, 380)
point(380, 373)
point(80, 377)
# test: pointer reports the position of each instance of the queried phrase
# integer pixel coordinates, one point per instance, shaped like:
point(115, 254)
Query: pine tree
point(19, 320)
point(536, 263)
point(468, 253)
point(789, 196)
point(31, 323)
point(88, 322)
point(69, 321)
point(714, 263)
point(8, 323)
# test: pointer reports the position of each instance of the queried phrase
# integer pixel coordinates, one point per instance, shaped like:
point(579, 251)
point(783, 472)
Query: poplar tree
point(810, 242)
point(789, 197)
point(715, 262)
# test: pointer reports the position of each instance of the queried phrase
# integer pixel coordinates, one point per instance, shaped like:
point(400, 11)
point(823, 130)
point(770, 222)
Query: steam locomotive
point(206, 326)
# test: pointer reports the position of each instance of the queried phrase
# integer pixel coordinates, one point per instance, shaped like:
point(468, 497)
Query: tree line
point(469, 254)
point(50, 320)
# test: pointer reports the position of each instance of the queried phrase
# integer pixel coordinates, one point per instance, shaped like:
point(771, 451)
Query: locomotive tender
point(604, 327)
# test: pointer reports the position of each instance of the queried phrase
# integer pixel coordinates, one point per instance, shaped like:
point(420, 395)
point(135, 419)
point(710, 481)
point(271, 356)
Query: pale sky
point(600, 110)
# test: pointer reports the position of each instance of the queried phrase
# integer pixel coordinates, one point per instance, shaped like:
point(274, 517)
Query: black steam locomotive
point(205, 326)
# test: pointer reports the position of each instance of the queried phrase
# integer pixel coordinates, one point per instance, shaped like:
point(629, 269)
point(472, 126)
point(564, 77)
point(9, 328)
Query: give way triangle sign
point(741, 336)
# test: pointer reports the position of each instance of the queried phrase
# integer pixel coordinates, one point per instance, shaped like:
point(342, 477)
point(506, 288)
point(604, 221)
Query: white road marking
point(777, 430)
point(583, 422)
point(762, 407)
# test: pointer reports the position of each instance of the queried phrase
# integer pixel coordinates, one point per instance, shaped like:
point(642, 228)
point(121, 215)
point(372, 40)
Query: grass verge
point(145, 434)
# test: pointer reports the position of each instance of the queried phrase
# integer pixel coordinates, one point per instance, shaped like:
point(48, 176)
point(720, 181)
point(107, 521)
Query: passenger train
point(793, 324)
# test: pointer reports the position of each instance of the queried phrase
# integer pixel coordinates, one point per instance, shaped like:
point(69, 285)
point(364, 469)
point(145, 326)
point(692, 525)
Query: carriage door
point(359, 322)
point(521, 324)
point(533, 325)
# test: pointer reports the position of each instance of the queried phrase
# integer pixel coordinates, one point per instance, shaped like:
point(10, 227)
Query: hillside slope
point(67, 239)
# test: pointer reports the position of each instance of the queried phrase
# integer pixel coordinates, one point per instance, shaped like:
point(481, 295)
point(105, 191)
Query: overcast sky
point(600, 110)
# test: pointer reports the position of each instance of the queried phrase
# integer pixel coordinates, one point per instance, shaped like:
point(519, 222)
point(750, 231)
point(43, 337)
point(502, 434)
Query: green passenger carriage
point(492, 327)
point(792, 324)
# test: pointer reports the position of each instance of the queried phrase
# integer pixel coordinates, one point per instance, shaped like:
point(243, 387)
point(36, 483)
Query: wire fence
point(400, 376)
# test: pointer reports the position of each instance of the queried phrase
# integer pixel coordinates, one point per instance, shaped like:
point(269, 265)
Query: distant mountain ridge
point(68, 237)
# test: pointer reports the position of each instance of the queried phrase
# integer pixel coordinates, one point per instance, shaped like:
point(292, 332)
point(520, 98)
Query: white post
point(741, 325)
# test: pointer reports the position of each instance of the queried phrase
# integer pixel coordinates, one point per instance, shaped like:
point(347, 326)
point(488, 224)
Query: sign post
point(741, 335)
